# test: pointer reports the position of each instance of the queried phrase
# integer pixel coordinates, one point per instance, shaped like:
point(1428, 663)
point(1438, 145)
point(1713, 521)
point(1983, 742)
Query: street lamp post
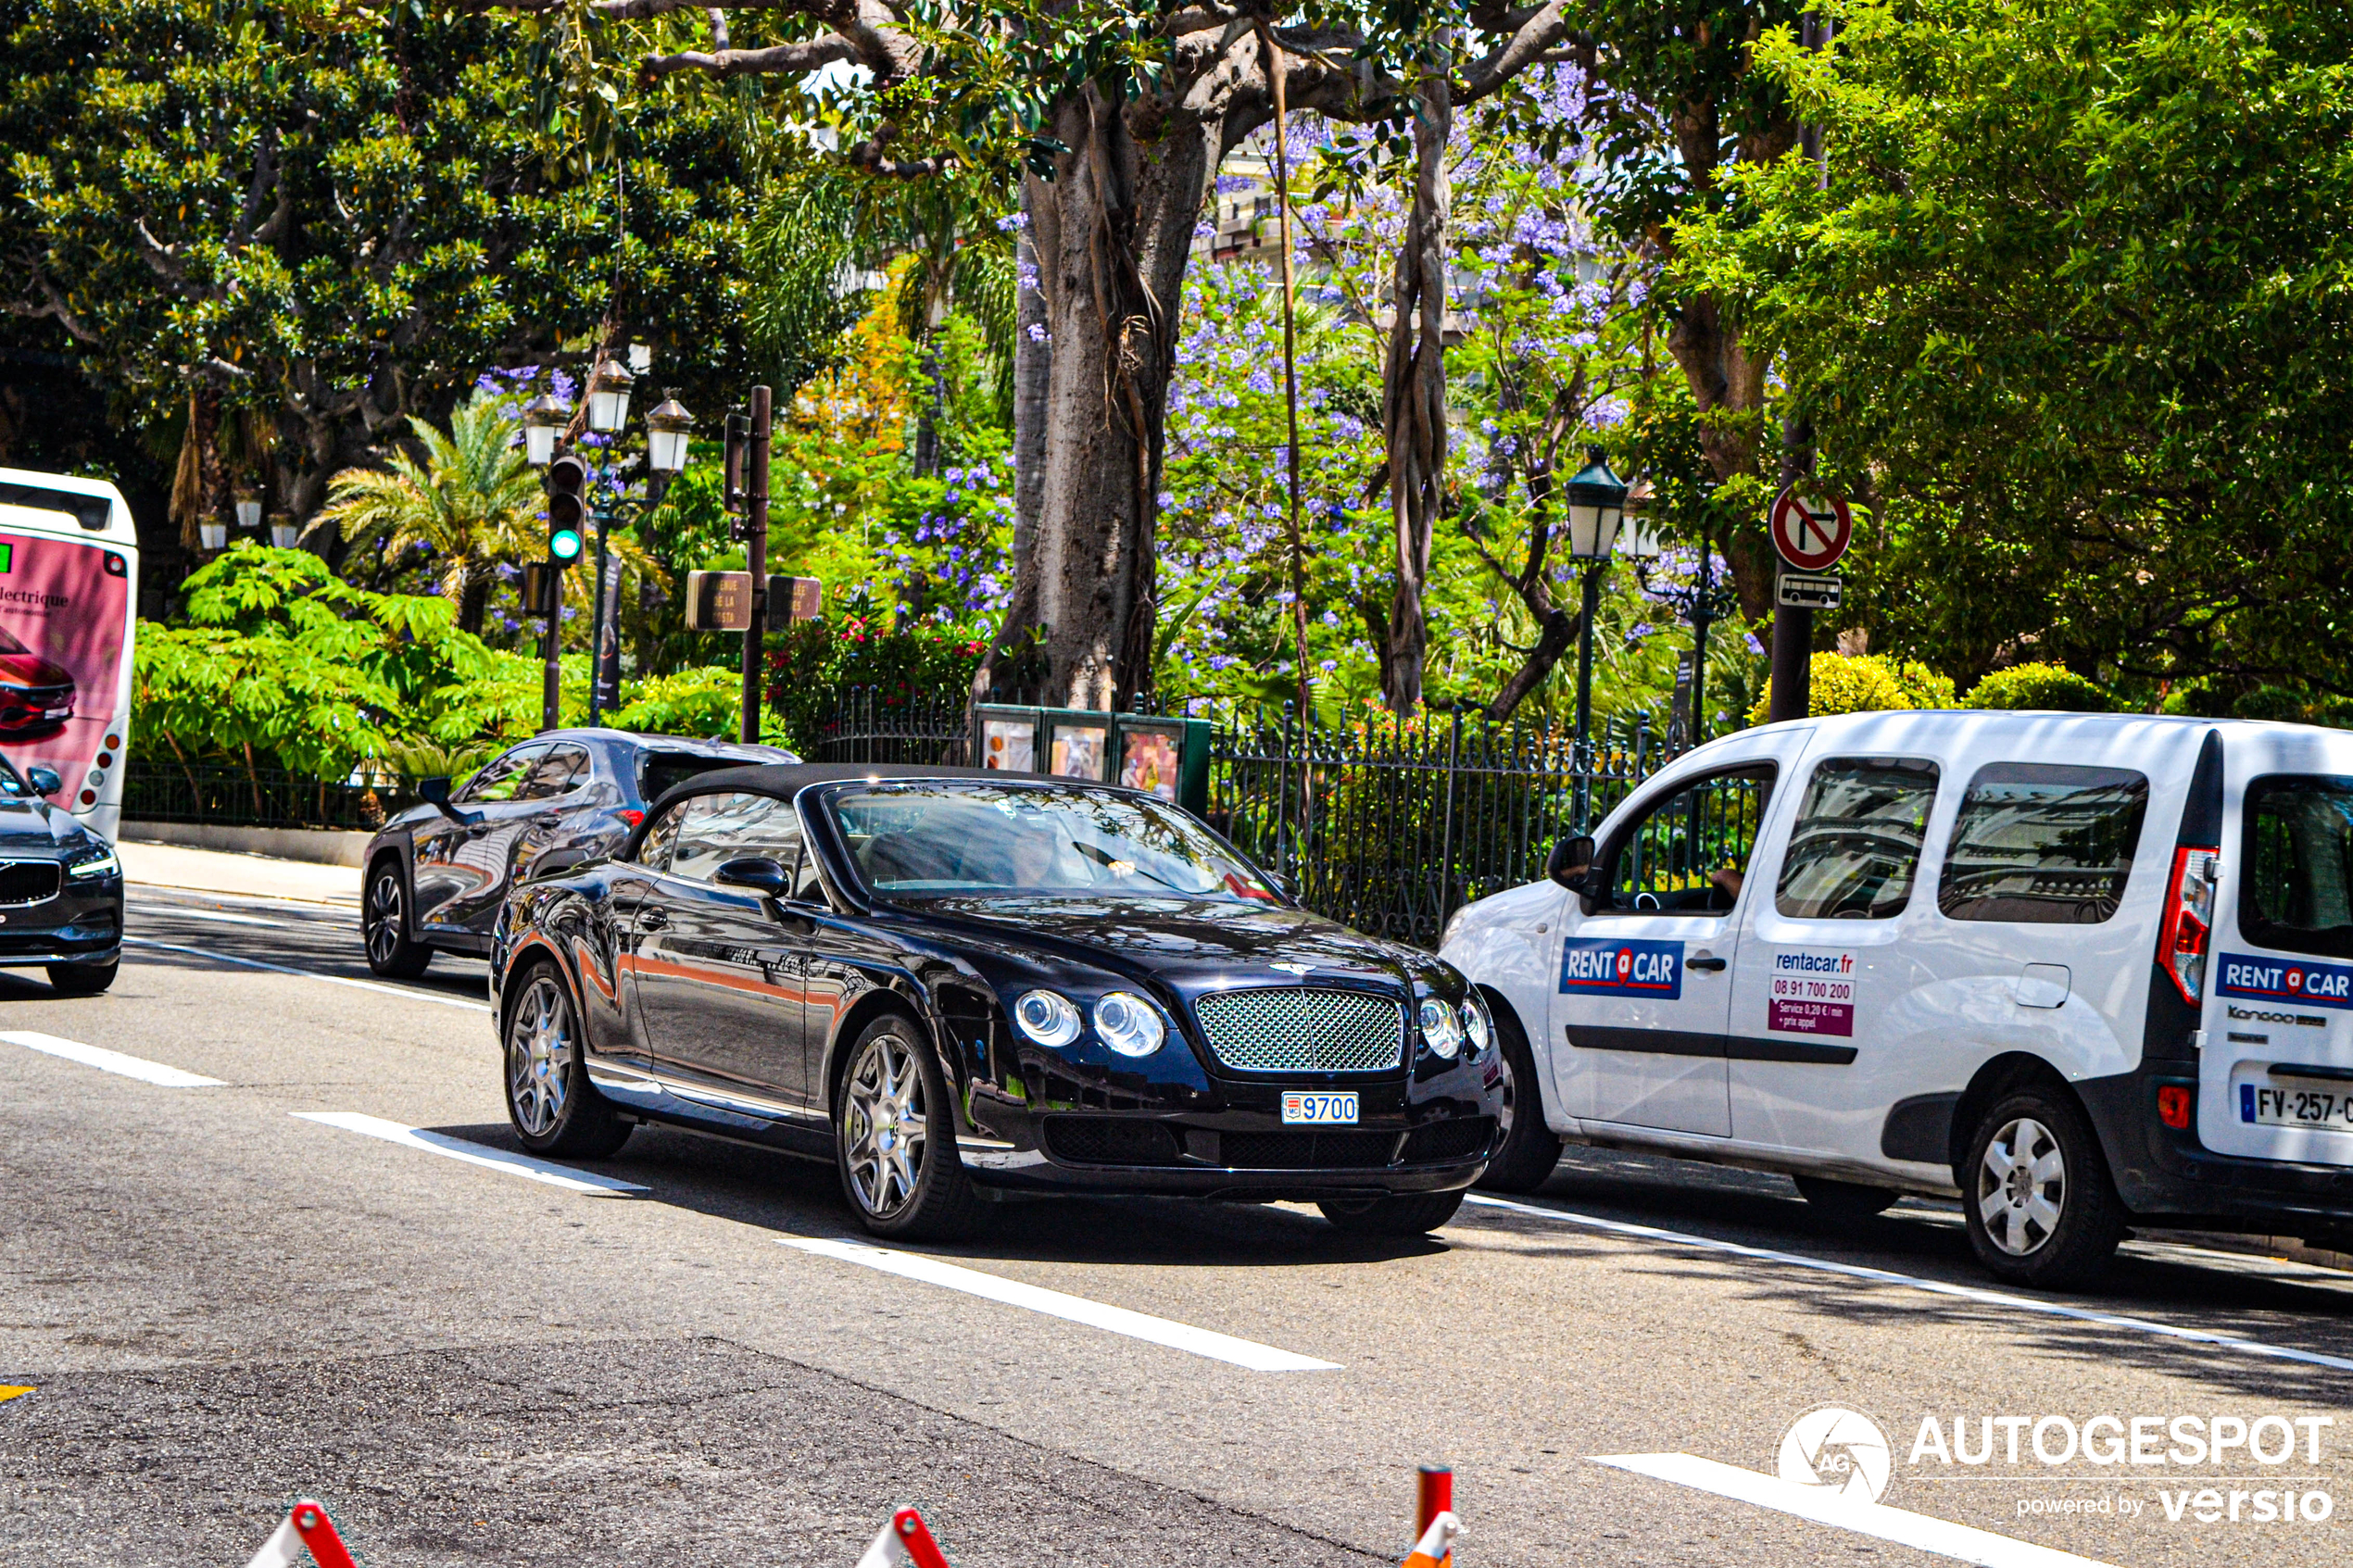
point(1596, 505)
point(669, 432)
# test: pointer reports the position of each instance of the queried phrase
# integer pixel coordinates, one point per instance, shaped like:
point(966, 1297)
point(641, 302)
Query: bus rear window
point(2044, 844)
point(2296, 888)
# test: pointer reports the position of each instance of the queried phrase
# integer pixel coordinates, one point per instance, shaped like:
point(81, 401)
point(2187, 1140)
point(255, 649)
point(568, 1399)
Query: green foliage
point(284, 658)
point(705, 699)
point(1864, 683)
point(2045, 688)
point(337, 225)
point(2073, 312)
point(903, 662)
point(473, 504)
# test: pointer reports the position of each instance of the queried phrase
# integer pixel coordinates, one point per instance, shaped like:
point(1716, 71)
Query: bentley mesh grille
point(1287, 1029)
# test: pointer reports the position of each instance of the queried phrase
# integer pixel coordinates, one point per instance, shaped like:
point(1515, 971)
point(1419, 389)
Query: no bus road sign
point(1810, 532)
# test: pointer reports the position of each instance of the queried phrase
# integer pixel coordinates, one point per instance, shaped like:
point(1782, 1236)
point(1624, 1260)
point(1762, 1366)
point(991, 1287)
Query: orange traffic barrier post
point(305, 1528)
point(1435, 1548)
point(1434, 1498)
point(904, 1539)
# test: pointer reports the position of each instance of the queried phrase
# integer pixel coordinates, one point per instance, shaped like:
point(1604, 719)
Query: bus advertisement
point(68, 608)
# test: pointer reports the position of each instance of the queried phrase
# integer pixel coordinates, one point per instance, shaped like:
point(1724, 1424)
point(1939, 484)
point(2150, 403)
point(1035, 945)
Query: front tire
point(83, 979)
point(895, 1139)
point(1414, 1213)
point(2040, 1206)
point(553, 1106)
point(1528, 1150)
point(385, 925)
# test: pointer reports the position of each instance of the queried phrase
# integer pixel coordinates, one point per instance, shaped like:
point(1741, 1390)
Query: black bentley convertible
point(959, 985)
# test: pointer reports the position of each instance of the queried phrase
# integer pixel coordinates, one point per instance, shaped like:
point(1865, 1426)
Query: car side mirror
point(758, 872)
point(436, 794)
point(1571, 863)
point(44, 781)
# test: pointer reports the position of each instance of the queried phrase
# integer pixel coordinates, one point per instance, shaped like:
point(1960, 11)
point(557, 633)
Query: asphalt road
point(220, 1303)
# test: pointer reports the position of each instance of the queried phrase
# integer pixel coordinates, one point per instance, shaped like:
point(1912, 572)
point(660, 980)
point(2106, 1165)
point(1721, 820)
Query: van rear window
point(2044, 844)
point(2296, 892)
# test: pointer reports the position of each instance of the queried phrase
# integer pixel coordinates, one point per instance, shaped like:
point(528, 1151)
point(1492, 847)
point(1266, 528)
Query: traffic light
point(567, 507)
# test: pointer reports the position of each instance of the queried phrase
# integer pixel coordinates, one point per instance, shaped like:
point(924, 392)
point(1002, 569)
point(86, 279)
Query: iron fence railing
point(1389, 825)
point(231, 795)
point(870, 724)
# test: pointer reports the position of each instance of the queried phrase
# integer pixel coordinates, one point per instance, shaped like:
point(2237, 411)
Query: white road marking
point(1826, 1507)
point(1914, 1282)
point(548, 1171)
point(221, 917)
point(311, 974)
point(111, 1061)
point(1075, 1309)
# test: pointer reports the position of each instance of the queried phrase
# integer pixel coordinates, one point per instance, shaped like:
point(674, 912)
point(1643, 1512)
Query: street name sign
point(1810, 532)
point(721, 601)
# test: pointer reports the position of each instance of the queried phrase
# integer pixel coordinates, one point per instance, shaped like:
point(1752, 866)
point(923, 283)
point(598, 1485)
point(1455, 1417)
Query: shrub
point(1924, 687)
point(2047, 687)
point(1866, 683)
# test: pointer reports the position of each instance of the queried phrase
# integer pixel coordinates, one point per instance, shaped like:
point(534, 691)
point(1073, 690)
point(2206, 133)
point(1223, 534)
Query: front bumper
point(1434, 1135)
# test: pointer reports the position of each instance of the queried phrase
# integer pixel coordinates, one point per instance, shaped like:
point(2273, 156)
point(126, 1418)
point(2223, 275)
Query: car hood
point(38, 828)
point(1191, 946)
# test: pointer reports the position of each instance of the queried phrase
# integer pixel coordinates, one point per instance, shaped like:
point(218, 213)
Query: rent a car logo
point(1602, 967)
point(2287, 980)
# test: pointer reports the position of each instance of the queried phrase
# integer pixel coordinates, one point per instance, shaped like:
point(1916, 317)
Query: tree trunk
point(1414, 387)
point(473, 599)
point(1032, 356)
point(1113, 231)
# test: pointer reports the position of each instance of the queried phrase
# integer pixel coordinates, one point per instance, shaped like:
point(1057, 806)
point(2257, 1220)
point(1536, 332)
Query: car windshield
point(936, 839)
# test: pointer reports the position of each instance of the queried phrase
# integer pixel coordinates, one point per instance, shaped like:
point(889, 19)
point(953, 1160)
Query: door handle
point(1703, 961)
point(547, 819)
point(652, 920)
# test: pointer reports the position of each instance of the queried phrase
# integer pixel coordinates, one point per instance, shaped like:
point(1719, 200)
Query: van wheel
point(1528, 1149)
point(1844, 1200)
point(2041, 1209)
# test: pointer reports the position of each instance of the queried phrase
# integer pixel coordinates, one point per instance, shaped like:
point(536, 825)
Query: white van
point(2086, 971)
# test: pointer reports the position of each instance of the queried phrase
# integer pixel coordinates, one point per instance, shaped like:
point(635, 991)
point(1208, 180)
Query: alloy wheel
point(885, 1125)
point(2022, 1187)
point(383, 917)
point(1511, 1099)
point(539, 1058)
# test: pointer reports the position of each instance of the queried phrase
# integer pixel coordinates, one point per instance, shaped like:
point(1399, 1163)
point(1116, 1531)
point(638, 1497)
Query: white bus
point(69, 611)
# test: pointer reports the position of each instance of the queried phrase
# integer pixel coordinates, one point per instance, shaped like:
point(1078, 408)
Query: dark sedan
point(60, 888)
point(959, 985)
point(435, 874)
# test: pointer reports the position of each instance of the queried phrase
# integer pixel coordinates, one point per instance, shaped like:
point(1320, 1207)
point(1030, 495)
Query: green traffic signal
point(567, 507)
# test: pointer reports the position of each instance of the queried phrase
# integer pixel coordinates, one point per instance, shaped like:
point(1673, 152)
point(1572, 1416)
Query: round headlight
point(1047, 1017)
point(1440, 1028)
point(1475, 1026)
point(1128, 1024)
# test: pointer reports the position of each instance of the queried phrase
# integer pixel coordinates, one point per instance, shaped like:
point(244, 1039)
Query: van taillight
point(2189, 920)
point(2174, 1103)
